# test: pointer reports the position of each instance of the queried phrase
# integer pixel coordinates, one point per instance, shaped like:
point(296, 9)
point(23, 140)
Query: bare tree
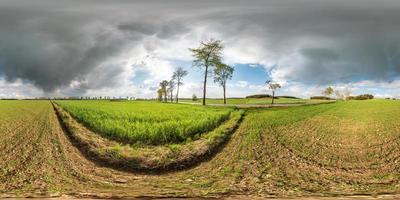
point(207, 55)
point(328, 91)
point(273, 87)
point(347, 93)
point(338, 94)
point(163, 88)
point(160, 94)
point(178, 77)
point(223, 73)
point(171, 87)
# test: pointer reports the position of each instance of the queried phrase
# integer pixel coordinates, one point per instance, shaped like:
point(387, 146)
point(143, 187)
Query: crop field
point(258, 101)
point(146, 122)
point(342, 148)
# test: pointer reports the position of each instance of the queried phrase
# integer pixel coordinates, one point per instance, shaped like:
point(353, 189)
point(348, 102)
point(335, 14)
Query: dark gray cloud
point(52, 43)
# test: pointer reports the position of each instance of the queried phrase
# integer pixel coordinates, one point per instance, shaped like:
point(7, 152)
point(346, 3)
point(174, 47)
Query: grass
point(343, 148)
point(258, 101)
point(144, 122)
point(149, 157)
point(346, 147)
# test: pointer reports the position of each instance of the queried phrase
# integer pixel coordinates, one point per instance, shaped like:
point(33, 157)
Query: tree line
point(346, 95)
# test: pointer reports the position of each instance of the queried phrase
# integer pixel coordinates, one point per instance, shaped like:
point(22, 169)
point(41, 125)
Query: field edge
point(174, 157)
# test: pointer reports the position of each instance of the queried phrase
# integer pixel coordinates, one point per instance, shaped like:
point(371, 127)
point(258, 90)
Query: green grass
point(339, 149)
point(322, 148)
point(260, 101)
point(146, 122)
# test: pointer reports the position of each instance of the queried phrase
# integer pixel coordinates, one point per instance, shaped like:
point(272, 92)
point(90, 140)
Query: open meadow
point(146, 122)
point(342, 148)
point(255, 101)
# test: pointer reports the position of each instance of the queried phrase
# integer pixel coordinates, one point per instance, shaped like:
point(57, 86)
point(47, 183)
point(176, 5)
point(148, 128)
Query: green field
point(346, 147)
point(342, 148)
point(258, 101)
point(146, 122)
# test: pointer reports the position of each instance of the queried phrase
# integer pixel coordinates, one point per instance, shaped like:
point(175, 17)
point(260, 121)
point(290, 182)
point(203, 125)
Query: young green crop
point(145, 121)
point(259, 101)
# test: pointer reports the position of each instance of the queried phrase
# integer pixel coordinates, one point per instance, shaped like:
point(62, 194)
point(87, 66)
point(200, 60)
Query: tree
point(339, 95)
point(194, 97)
point(273, 87)
point(328, 91)
point(223, 73)
point(163, 88)
point(160, 94)
point(178, 77)
point(171, 87)
point(207, 55)
point(347, 93)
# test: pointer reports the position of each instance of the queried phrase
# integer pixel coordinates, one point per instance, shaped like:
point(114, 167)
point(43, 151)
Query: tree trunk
point(273, 96)
point(205, 86)
point(177, 94)
point(224, 87)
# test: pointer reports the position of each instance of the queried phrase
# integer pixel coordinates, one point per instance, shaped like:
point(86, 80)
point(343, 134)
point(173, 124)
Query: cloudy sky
point(124, 48)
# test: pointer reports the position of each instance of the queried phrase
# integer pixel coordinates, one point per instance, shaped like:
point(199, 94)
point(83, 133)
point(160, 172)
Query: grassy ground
point(147, 122)
point(260, 101)
point(344, 148)
point(148, 158)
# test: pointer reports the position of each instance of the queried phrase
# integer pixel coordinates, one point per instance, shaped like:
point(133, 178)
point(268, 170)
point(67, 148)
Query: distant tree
point(163, 88)
point(223, 73)
point(194, 97)
point(364, 97)
point(160, 94)
point(178, 75)
point(171, 87)
point(328, 91)
point(273, 87)
point(207, 55)
point(347, 93)
point(338, 94)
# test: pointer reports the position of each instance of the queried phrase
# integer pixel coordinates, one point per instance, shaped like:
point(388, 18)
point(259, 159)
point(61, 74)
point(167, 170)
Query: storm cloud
point(88, 44)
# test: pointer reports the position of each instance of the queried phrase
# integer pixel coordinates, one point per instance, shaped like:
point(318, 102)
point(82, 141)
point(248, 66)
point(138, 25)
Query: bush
point(194, 97)
point(364, 97)
point(361, 97)
point(321, 98)
point(288, 97)
point(260, 96)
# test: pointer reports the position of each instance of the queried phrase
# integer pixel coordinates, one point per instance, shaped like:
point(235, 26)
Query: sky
point(125, 48)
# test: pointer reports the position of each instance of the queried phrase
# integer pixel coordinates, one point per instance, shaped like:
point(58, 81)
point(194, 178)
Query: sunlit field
point(344, 147)
point(256, 101)
point(146, 122)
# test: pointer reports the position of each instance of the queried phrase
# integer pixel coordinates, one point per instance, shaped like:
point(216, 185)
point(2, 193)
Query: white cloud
point(18, 89)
